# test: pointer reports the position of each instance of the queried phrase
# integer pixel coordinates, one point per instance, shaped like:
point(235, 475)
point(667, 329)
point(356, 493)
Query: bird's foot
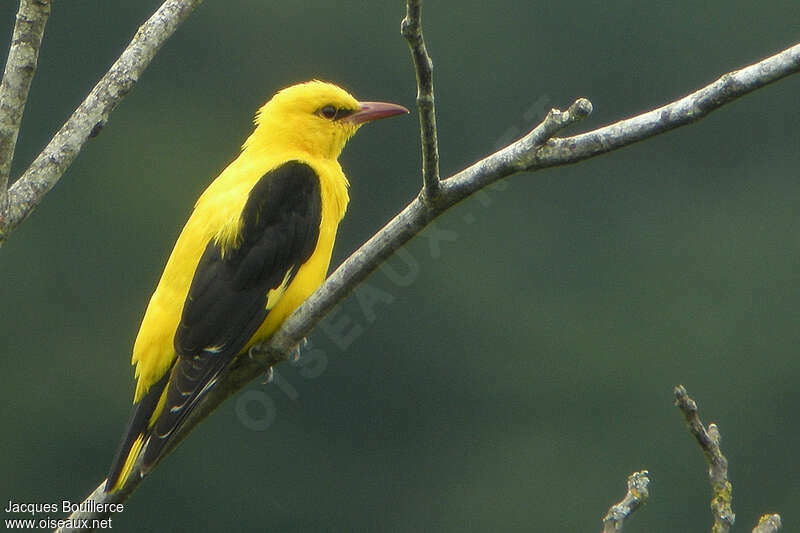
point(268, 373)
point(251, 351)
point(294, 355)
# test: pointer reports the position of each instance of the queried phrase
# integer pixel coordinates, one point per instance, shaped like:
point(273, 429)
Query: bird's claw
point(294, 355)
point(251, 351)
point(268, 373)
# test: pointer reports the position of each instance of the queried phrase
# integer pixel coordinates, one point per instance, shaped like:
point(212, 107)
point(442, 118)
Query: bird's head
point(314, 117)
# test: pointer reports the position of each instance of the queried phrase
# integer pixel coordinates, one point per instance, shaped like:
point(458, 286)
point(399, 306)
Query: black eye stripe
point(331, 112)
point(328, 112)
point(342, 112)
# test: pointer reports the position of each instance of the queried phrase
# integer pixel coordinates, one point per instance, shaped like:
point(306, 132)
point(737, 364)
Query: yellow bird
point(257, 244)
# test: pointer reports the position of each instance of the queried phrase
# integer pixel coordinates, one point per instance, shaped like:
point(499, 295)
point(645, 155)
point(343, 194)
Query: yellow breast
point(217, 216)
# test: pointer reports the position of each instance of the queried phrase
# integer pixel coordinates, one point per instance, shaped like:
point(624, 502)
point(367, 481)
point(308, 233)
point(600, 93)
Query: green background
point(516, 372)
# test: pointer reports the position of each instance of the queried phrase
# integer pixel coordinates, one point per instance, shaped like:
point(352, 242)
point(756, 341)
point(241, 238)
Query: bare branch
point(679, 113)
point(769, 523)
point(708, 439)
point(79, 517)
point(635, 497)
point(534, 151)
point(20, 68)
point(89, 118)
point(411, 29)
point(569, 150)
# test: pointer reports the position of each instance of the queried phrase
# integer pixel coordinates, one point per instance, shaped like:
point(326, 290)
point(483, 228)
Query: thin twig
point(769, 523)
point(709, 439)
point(532, 152)
point(684, 111)
point(411, 29)
point(20, 68)
point(89, 118)
point(635, 497)
point(569, 150)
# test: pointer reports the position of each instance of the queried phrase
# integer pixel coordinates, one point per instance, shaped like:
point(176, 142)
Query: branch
point(569, 150)
point(709, 439)
point(86, 517)
point(635, 497)
point(411, 29)
point(685, 111)
point(90, 117)
point(769, 523)
point(20, 68)
point(537, 150)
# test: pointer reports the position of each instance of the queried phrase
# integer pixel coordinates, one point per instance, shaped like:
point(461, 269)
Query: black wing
point(227, 298)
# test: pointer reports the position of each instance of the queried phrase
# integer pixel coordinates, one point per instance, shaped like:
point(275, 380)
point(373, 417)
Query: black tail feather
point(190, 379)
point(137, 425)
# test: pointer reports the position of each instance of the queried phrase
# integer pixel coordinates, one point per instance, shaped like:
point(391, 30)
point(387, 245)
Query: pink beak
point(373, 111)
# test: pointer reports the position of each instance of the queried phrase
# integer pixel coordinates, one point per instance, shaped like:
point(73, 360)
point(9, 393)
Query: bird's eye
point(328, 112)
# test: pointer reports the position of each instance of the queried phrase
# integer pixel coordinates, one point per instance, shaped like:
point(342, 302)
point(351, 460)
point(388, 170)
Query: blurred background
point(511, 367)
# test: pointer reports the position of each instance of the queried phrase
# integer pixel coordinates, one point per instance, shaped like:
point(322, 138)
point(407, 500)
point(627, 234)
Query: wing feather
point(230, 296)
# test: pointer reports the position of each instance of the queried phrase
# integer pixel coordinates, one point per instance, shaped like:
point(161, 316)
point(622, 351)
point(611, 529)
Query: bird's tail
point(134, 436)
point(161, 412)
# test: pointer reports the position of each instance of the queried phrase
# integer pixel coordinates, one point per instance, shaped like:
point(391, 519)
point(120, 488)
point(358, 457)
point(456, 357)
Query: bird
point(256, 245)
